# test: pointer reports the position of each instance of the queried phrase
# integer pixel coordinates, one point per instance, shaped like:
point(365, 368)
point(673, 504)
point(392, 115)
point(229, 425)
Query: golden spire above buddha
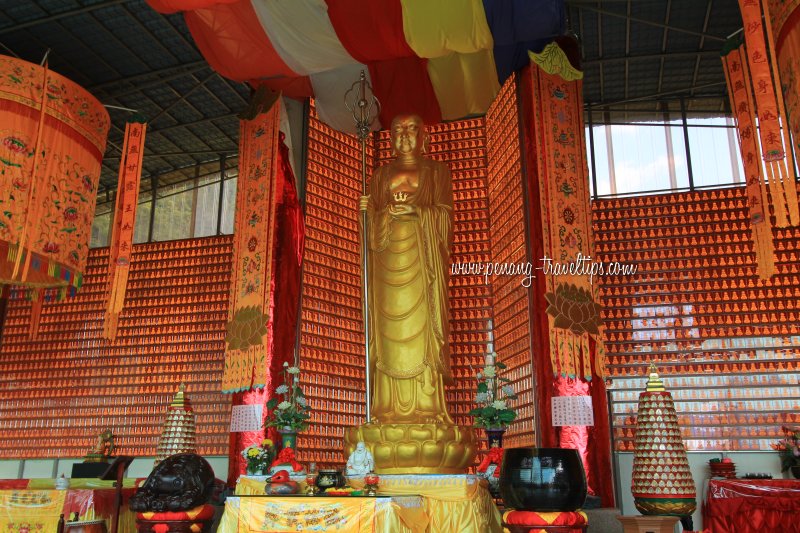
point(654, 382)
point(409, 237)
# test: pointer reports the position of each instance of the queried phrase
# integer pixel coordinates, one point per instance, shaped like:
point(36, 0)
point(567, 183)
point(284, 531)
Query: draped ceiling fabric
point(420, 56)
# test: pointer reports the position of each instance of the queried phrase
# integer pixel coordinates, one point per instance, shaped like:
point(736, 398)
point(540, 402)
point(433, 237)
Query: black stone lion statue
point(180, 482)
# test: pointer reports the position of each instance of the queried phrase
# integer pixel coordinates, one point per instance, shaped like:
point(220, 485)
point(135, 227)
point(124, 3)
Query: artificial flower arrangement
point(493, 395)
point(789, 448)
point(259, 456)
point(290, 411)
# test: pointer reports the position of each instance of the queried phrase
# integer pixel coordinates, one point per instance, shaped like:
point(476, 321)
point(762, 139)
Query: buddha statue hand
point(401, 209)
point(363, 202)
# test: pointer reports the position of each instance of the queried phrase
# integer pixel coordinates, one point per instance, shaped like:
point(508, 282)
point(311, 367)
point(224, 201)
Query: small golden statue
point(409, 237)
point(103, 448)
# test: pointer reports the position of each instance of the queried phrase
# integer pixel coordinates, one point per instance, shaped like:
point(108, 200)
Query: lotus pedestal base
point(416, 448)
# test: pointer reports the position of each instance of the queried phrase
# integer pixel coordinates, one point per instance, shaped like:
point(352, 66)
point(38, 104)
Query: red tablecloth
point(752, 506)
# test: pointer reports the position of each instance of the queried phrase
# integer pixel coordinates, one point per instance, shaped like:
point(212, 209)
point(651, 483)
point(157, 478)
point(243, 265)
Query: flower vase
point(288, 438)
point(255, 470)
point(795, 471)
point(495, 437)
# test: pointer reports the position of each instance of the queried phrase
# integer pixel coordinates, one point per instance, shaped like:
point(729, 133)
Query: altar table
point(450, 503)
point(752, 506)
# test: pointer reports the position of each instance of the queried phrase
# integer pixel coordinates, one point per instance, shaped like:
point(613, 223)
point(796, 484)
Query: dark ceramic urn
point(542, 479)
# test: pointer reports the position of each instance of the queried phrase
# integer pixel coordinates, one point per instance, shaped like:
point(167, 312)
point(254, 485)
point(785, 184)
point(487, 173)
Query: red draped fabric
point(403, 86)
point(354, 23)
point(752, 506)
point(400, 79)
point(232, 40)
point(284, 298)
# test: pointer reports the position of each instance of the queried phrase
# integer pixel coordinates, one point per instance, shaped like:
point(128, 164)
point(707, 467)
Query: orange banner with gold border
point(573, 311)
point(119, 253)
point(760, 67)
point(741, 104)
point(247, 340)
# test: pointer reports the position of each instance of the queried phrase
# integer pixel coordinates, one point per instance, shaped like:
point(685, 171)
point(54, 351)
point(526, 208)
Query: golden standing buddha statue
point(409, 236)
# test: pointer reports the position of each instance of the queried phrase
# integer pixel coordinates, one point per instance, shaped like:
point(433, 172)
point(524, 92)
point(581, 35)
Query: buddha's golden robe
point(409, 317)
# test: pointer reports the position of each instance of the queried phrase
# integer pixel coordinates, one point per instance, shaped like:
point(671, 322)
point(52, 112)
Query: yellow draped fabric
point(435, 28)
point(465, 84)
point(450, 502)
point(459, 46)
point(31, 510)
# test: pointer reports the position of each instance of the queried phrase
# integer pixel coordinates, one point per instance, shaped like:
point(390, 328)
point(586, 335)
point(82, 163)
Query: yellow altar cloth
point(38, 510)
point(306, 514)
point(30, 510)
point(452, 503)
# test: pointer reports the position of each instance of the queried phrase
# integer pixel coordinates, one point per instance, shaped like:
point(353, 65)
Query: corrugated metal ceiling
point(636, 54)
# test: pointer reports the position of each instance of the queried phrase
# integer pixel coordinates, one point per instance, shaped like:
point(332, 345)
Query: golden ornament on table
point(103, 448)
point(409, 236)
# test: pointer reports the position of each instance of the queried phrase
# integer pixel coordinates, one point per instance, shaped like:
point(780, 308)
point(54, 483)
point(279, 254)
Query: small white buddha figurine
point(360, 461)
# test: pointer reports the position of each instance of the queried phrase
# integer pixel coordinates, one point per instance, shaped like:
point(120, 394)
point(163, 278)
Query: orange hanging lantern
point(119, 255)
point(52, 139)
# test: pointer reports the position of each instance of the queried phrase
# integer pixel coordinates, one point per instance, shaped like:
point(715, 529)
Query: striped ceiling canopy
point(441, 59)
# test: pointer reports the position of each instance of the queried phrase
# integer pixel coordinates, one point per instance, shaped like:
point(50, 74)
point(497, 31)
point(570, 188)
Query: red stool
point(541, 522)
point(197, 520)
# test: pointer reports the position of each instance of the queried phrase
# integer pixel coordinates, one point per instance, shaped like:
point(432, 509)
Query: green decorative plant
point(289, 409)
point(789, 448)
point(492, 397)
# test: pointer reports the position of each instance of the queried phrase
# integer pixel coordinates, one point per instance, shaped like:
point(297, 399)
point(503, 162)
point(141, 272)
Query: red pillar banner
point(769, 109)
point(569, 353)
point(119, 253)
point(287, 253)
point(256, 198)
point(741, 104)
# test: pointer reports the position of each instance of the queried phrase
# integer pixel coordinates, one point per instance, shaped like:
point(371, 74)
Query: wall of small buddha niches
point(59, 392)
point(487, 184)
point(332, 332)
point(726, 342)
point(512, 329)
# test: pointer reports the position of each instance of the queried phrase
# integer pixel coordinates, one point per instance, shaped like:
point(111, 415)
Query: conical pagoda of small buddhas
point(662, 482)
point(178, 435)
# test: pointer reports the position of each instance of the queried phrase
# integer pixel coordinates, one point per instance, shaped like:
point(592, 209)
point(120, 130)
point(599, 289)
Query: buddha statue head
point(408, 136)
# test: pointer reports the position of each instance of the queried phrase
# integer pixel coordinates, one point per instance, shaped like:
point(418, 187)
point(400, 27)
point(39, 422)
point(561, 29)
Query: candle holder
point(371, 484)
point(311, 484)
